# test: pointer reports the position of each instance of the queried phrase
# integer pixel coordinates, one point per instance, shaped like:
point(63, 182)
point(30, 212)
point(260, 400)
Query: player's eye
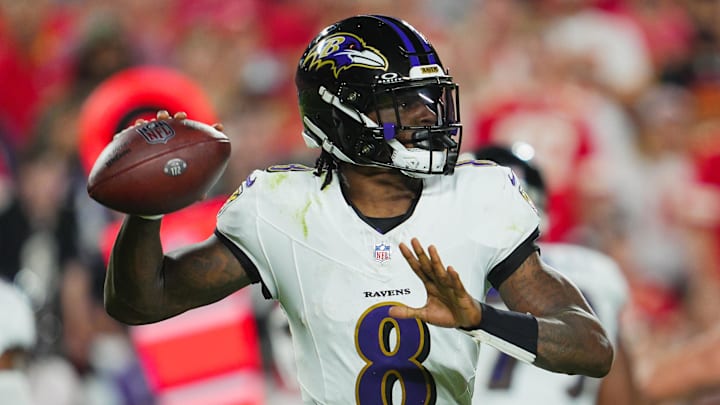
point(406, 99)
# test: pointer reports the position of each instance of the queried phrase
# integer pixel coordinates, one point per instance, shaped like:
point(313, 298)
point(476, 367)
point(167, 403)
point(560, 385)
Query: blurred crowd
point(619, 101)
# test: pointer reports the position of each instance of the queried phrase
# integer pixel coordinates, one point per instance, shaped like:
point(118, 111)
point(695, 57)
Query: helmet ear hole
point(356, 98)
point(367, 150)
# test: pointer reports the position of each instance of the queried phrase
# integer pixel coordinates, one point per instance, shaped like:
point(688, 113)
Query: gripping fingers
point(165, 115)
point(162, 115)
point(181, 115)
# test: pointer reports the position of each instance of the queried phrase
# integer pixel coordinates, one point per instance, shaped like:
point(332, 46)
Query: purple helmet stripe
point(414, 60)
point(426, 46)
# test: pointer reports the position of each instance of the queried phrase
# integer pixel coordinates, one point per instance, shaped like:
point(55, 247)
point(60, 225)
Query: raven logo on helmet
point(342, 51)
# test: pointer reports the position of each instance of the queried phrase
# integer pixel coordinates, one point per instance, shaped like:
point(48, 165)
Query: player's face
point(410, 108)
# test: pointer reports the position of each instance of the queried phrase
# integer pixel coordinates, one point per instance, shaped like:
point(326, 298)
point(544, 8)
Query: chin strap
point(424, 161)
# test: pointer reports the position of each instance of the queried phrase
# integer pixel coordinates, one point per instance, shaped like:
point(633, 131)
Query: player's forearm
point(133, 284)
point(573, 342)
point(570, 337)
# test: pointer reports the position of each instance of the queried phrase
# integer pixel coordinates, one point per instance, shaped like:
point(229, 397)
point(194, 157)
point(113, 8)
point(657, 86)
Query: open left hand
point(448, 303)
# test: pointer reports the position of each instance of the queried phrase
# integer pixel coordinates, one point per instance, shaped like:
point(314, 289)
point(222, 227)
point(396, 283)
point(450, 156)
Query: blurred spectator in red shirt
point(35, 62)
point(560, 141)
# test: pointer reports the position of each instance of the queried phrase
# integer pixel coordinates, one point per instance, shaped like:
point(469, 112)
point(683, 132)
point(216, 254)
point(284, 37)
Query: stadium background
point(620, 101)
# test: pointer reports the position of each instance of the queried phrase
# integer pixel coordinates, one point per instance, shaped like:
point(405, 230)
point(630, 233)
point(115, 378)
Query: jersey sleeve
point(238, 223)
point(510, 224)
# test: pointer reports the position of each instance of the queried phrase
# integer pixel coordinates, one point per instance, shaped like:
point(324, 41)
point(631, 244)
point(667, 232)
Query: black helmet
point(366, 63)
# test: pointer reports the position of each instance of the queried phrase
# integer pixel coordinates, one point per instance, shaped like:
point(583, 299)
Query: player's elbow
point(591, 353)
point(596, 348)
point(118, 313)
point(601, 356)
point(124, 313)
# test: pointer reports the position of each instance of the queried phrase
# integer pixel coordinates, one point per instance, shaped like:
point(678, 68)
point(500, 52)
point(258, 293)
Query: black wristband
point(516, 328)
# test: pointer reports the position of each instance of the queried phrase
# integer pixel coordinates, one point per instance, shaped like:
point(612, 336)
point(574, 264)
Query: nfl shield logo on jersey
point(382, 252)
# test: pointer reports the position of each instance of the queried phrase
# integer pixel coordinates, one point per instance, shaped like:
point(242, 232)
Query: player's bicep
point(538, 289)
point(200, 274)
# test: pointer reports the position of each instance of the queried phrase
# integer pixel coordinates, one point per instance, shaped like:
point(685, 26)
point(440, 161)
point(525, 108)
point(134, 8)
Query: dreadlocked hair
point(325, 164)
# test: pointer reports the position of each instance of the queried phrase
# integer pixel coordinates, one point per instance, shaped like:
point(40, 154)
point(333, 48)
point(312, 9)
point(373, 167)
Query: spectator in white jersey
point(503, 380)
point(368, 326)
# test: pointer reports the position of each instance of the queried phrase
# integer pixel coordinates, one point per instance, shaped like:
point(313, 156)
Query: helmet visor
point(428, 111)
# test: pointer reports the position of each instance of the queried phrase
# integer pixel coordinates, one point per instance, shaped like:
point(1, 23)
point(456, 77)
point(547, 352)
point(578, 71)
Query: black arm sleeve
point(245, 261)
point(507, 267)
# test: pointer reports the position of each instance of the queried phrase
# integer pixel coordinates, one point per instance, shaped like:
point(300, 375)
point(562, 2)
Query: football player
point(376, 316)
point(503, 380)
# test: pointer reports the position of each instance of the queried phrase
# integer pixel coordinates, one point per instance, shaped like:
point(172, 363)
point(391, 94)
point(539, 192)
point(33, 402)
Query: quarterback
point(376, 316)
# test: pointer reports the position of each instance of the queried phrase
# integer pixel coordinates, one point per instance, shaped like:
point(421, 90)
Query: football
point(159, 167)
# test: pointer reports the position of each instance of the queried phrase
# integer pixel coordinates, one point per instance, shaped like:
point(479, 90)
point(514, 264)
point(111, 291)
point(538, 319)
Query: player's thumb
point(403, 312)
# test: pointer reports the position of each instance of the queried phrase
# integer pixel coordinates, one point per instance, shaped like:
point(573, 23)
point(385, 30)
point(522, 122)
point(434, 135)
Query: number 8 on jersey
point(389, 362)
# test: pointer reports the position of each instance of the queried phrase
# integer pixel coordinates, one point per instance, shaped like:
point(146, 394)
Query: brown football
point(159, 167)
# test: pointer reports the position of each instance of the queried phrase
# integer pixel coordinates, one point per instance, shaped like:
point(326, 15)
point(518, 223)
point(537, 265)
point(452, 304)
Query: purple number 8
point(392, 361)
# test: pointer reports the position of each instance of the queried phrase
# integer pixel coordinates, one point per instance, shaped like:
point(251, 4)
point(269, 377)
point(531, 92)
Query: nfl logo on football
point(382, 252)
point(156, 132)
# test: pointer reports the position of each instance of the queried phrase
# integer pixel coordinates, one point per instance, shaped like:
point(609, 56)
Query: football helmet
point(364, 64)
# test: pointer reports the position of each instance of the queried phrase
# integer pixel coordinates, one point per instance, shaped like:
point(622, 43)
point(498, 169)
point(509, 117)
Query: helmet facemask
point(380, 141)
point(432, 146)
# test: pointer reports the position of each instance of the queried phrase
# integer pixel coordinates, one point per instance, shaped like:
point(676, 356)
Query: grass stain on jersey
point(276, 180)
point(515, 228)
point(301, 216)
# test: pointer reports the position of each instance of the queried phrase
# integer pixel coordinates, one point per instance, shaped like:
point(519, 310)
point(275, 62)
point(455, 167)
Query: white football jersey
point(502, 380)
point(336, 277)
